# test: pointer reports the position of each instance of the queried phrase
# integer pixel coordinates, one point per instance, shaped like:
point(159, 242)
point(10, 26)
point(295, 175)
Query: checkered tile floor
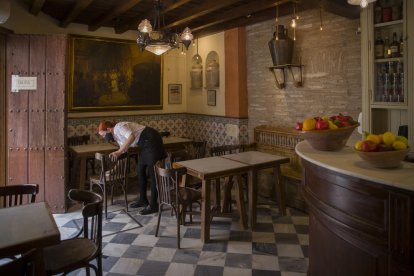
point(277, 246)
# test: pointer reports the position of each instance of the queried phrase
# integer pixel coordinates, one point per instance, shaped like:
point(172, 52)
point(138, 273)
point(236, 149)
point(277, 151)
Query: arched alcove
point(212, 70)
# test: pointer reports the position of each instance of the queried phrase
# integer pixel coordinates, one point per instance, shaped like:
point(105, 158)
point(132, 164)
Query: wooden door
point(36, 118)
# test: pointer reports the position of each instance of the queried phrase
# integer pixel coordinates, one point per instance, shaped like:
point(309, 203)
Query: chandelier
point(152, 38)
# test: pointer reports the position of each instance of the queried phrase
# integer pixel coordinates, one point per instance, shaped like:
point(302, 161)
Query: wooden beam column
point(236, 73)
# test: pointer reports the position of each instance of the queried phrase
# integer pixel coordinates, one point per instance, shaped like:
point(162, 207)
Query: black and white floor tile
point(278, 245)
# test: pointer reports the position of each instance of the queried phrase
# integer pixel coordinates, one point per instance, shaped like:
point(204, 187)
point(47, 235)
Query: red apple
point(298, 126)
point(321, 124)
point(368, 145)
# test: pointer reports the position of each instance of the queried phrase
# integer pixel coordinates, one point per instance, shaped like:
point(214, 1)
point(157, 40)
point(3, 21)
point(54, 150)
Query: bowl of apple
point(383, 151)
point(327, 133)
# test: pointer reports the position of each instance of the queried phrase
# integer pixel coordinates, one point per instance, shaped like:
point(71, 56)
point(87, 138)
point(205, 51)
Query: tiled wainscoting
point(215, 129)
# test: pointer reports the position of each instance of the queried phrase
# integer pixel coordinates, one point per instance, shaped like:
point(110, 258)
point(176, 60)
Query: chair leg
point(105, 201)
point(179, 217)
point(159, 219)
point(99, 262)
point(124, 188)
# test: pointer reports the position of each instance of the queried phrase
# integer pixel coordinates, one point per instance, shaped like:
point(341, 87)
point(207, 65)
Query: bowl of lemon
point(327, 133)
point(384, 151)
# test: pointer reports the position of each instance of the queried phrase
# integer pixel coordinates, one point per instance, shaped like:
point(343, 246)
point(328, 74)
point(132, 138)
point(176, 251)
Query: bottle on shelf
point(387, 50)
point(395, 46)
point(401, 45)
point(379, 46)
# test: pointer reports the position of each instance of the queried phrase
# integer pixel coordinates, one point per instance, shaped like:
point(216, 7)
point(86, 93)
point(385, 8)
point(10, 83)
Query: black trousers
point(151, 150)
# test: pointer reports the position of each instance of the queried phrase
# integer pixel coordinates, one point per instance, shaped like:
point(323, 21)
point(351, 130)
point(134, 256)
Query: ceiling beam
point(207, 8)
point(132, 25)
point(118, 10)
point(261, 16)
point(77, 9)
point(36, 6)
point(242, 11)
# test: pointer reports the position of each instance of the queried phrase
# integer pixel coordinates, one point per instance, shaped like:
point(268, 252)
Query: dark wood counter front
point(357, 226)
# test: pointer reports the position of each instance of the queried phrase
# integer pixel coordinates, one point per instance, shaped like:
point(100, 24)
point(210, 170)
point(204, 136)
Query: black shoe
point(138, 204)
point(148, 210)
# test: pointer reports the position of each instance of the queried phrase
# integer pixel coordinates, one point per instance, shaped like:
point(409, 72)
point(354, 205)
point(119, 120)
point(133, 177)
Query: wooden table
point(207, 170)
point(82, 152)
point(257, 161)
point(26, 227)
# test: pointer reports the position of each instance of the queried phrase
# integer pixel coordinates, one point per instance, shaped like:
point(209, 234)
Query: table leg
point(82, 173)
point(252, 184)
point(240, 202)
point(280, 190)
point(205, 211)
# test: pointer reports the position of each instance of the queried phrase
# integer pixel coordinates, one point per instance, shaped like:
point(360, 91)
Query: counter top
point(347, 162)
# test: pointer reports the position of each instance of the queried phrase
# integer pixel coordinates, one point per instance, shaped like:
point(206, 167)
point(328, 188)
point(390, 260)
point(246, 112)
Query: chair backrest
point(113, 171)
point(13, 195)
point(223, 150)
point(91, 212)
point(196, 150)
point(78, 140)
point(168, 180)
point(23, 265)
point(248, 147)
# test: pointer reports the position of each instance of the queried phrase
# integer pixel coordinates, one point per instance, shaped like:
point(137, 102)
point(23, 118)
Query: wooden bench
point(281, 141)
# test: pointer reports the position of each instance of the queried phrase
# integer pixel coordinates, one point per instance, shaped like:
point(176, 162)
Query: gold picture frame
point(112, 74)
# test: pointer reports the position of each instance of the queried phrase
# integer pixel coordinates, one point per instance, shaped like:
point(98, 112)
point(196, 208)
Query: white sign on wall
point(23, 83)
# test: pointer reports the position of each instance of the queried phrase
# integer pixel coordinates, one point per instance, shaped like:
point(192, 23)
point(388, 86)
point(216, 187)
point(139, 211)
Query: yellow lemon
point(358, 145)
point(374, 138)
point(309, 124)
point(388, 138)
point(399, 145)
point(402, 139)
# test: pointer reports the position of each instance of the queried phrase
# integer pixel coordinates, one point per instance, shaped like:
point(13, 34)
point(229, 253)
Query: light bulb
point(293, 25)
point(364, 3)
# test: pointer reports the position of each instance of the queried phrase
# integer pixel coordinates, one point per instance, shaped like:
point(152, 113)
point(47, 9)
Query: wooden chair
point(78, 252)
point(172, 194)
point(13, 195)
point(81, 140)
point(196, 150)
point(23, 265)
point(112, 174)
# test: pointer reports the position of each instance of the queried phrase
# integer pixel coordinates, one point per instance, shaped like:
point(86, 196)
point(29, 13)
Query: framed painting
point(174, 93)
point(211, 97)
point(112, 74)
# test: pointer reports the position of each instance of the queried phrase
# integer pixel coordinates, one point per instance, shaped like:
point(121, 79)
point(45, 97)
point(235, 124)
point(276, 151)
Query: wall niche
point(212, 70)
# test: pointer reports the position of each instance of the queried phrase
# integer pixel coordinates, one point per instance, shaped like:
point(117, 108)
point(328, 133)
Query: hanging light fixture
point(362, 3)
point(4, 11)
point(157, 41)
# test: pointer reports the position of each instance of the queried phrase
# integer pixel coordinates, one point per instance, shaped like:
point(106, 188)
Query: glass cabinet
point(387, 67)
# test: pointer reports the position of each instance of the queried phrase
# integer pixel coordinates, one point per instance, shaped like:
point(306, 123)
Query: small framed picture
point(211, 97)
point(174, 93)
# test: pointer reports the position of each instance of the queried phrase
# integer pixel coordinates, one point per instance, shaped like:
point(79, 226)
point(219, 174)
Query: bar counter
point(361, 219)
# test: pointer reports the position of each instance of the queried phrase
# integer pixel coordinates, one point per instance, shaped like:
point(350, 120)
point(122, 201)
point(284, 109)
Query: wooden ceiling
point(203, 17)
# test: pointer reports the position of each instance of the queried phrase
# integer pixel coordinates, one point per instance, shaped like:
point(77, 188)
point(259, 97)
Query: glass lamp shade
point(158, 49)
point(145, 26)
point(186, 37)
point(362, 3)
point(4, 10)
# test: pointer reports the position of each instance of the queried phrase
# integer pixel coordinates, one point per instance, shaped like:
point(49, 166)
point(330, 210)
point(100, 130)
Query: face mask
point(109, 137)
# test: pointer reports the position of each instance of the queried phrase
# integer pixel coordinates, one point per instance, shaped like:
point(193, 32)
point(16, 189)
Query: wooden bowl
point(383, 159)
point(328, 139)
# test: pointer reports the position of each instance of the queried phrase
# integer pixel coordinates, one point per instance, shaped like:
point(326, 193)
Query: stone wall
point(331, 72)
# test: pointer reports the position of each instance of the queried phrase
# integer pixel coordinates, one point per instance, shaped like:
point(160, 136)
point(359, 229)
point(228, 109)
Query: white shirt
point(123, 130)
